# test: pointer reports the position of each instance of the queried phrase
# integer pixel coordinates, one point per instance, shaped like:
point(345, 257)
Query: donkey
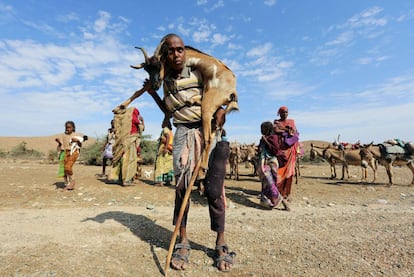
point(248, 155)
point(300, 152)
point(240, 153)
point(234, 160)
point(388, 160)
point(350, 157)
point(219, 88)
point(317, 151)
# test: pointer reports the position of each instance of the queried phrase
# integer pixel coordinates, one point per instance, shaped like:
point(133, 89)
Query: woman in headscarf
point(288, 139)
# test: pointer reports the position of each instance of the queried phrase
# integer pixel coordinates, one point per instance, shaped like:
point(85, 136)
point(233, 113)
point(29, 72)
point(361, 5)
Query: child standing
point(69, 144)
point(270, 159)
point(107, 154)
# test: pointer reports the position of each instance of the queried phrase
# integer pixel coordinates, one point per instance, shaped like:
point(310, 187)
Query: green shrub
point(148, 149)
point(92, 155)
point(53, 156)
point(21, 151)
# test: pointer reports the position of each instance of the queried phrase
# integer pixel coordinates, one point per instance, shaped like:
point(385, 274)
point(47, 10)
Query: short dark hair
point(71, 123)
point(164, 48)
point(266, 128)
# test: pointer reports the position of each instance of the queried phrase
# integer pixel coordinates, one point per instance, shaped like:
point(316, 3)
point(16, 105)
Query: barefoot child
point(69, 144)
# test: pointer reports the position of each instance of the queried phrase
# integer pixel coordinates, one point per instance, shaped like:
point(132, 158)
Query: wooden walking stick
point(180, 215)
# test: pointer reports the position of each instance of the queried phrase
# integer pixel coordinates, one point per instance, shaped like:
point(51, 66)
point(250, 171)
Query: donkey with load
point(390, 153)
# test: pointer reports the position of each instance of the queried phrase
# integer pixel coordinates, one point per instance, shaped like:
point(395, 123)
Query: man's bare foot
point(180, 256)
point(225, 259)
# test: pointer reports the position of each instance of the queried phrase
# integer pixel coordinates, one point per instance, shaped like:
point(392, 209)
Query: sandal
point(178, 256)
point(227, 257)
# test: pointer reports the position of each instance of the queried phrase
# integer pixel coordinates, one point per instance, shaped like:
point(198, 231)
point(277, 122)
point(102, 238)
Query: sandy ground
point(334, 228)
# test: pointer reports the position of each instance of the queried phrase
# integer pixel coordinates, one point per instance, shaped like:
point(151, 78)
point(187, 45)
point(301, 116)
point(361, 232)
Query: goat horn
point(145, 56)
point(144, 53)
point(157, 52)
point(138, 66)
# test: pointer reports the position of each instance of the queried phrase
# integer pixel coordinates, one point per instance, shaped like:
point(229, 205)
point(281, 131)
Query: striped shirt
point(183, 96)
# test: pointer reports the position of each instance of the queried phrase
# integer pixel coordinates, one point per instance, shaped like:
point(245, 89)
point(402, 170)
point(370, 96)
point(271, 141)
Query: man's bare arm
point(157, 99)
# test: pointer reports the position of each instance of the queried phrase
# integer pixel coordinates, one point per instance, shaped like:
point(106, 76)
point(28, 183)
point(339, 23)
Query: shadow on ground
point(147, 230)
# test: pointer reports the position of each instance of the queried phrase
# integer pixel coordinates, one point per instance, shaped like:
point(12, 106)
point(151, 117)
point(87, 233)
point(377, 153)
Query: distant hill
point(42, 144)
point(47, 143)
point(320, 143)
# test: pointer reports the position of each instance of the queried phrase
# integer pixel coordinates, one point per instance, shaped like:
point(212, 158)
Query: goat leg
point(126, 103)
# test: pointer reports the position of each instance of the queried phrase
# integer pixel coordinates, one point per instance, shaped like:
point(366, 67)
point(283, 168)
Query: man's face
point(176, 53)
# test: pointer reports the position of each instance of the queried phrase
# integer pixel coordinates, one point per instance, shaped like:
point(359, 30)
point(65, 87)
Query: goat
point(219, 88)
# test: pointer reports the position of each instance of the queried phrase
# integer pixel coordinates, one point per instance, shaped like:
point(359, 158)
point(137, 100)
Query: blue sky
point(342, 67)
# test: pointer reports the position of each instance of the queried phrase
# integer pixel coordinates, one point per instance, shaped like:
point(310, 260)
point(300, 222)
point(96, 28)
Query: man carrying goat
point(185, 90)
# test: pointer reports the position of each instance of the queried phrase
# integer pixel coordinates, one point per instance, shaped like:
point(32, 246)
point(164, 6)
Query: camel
point(317, 151)
point(219, 89)
point(388, 160)
point(350, 157)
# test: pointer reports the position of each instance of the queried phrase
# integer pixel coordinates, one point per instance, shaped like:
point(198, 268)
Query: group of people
point(178, 153)
point(278, 149)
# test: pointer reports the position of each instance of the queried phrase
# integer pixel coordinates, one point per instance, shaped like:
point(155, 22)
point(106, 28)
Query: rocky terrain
point(334, 228)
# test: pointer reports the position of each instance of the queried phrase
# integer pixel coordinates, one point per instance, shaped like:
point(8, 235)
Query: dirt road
point(334, 228)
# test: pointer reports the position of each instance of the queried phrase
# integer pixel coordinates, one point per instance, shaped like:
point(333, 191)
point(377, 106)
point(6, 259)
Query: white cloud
point(342, 38)
point(67, 17)
point(42, 27)
point(102, 22)
point(260, 50)
point(270, 2)
point(356, 123)
point(217, 5)
point(365, 25)
point(364, 60)
point(366, 18)
point(323, 55)
point(86, 64)
point(6, 8)
point(6, 13)
point(182, 30)
point(370, 60)
point(201, 2)
point(219, 39)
